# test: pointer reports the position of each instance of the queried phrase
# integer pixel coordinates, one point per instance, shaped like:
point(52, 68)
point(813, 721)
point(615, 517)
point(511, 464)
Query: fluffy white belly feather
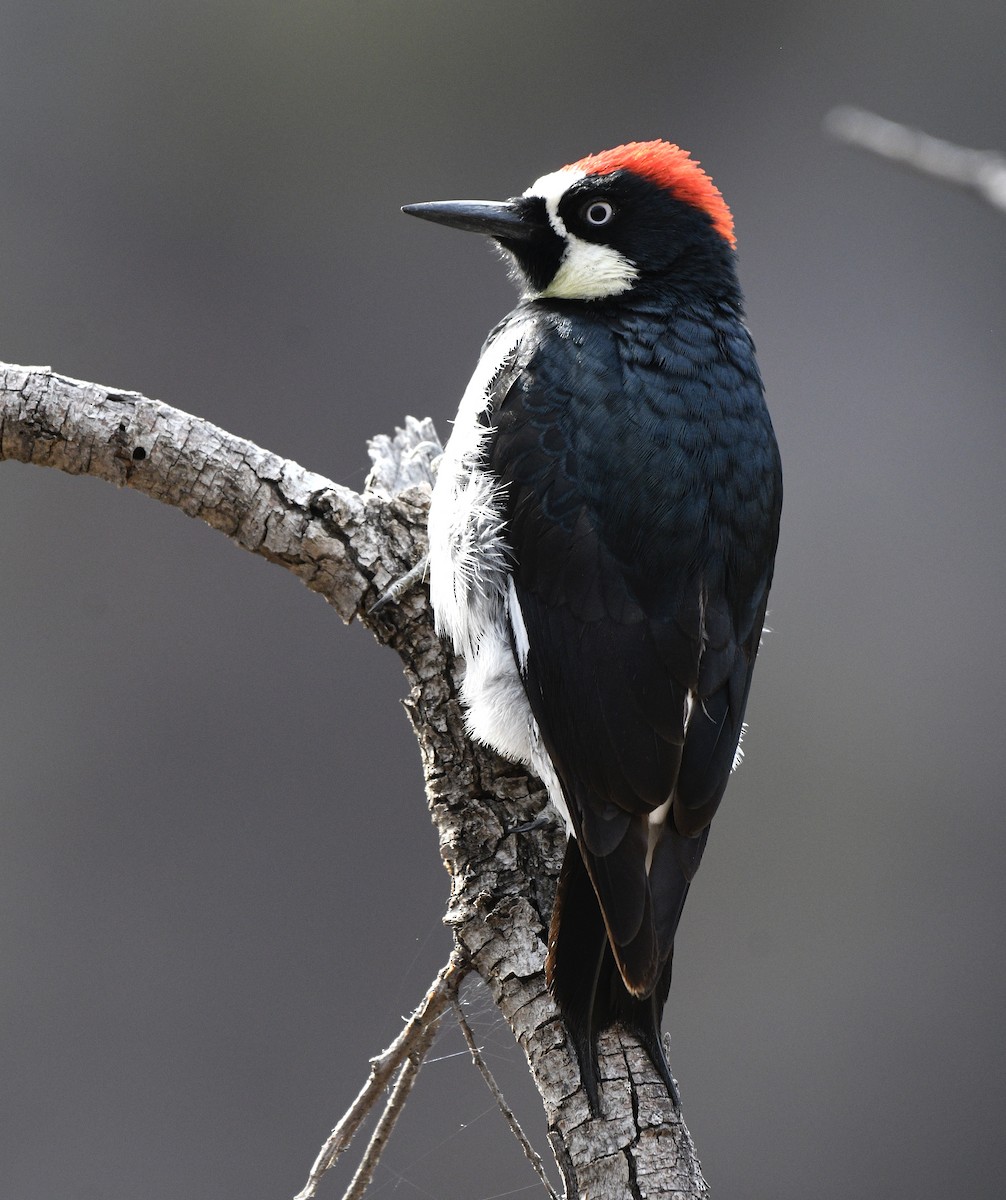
point(474, 600)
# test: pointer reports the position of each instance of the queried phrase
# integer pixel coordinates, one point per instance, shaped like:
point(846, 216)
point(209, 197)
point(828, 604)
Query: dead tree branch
point(405, 1055)
point(532, 1155)
point(982, 171)
point(349, 547)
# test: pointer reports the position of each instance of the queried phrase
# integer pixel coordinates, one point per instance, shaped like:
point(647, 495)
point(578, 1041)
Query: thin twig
point(383, 1067)
point(392, 1111)
point(532, 1155)
point(983, 171)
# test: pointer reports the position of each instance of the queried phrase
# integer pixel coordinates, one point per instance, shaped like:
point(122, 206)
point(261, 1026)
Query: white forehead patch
point(587, 270)
point(551, 188)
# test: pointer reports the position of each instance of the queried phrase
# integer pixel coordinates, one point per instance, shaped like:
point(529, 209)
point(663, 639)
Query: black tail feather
point(586, 983)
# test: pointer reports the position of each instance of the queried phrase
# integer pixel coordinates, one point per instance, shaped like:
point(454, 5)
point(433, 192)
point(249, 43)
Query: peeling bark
point(350, 547)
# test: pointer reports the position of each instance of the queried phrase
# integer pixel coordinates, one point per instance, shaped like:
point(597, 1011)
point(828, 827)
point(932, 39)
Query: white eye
point(598, 212)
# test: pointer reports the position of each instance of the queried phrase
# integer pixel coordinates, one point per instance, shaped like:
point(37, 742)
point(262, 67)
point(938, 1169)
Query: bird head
point(643, 217)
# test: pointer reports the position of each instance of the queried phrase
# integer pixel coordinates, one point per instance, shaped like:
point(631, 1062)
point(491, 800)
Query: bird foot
point(541, 821)
point(403, 584)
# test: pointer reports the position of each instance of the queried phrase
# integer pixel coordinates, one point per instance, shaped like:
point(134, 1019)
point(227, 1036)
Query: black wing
point(642, 521)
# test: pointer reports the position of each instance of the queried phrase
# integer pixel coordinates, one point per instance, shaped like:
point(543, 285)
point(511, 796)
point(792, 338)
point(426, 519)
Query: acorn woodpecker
point(602, 535)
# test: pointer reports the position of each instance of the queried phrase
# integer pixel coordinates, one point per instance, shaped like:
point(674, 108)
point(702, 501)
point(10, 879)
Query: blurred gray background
point(219, 888)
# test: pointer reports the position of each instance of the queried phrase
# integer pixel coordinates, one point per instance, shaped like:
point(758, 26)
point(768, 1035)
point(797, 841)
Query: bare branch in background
point(982, 171)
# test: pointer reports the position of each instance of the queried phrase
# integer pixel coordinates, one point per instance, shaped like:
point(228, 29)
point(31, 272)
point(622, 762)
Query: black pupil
point(598, 213)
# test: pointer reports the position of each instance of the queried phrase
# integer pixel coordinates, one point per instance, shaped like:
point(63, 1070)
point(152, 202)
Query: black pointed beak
point(507, 220)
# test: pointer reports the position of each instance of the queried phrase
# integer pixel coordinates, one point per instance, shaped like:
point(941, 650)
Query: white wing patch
point(520, 638)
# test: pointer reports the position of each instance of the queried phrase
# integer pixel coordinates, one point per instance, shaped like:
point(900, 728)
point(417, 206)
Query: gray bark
point(350, 547)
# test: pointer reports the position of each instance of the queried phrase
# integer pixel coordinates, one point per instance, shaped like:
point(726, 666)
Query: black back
point(642, 500)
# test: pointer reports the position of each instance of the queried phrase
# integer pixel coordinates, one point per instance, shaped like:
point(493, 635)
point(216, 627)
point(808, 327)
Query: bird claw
point(403, 584)
point(541, 821)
